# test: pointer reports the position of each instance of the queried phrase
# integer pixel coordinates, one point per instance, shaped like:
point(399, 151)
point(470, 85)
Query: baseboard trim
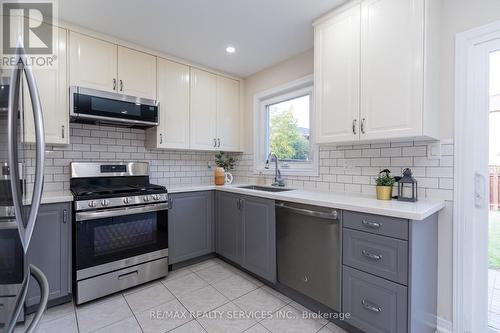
point(444, 326)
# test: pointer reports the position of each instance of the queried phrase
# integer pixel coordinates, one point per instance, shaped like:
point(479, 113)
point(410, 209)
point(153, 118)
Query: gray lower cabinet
point(228, 236)
point(259, 237)
point(246, 233)
point(50, 250)
point(389, 273)
point(190, 225)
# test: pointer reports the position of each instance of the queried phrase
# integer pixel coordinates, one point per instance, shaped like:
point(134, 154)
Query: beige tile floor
point(211, 296)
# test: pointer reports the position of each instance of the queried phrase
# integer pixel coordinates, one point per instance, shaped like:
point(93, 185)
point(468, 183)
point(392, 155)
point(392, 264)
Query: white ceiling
point(264, 32)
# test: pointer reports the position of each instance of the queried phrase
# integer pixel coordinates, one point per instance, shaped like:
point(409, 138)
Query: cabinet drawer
point(379, 255)
point(376, 224)
point(376, 305)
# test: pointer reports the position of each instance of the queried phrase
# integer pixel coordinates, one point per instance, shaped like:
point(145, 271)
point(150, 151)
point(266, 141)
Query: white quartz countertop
point(356, 202)
point(52, 197)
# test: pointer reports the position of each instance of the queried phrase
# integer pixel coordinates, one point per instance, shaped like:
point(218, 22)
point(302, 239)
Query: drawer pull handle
point(127, 275)
point(371, 307)
point(372, 256)
point(373, 225)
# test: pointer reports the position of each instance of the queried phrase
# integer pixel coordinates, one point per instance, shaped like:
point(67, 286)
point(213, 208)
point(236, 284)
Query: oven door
point(111, 239)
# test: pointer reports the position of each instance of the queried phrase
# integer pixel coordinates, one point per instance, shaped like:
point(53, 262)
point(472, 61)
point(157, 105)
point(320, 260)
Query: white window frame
point(294, 89)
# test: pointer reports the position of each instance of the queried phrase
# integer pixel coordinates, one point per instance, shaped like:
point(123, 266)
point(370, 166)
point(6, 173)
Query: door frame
point(469, 247)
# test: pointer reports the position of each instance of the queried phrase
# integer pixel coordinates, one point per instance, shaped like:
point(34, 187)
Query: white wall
point(459, 16)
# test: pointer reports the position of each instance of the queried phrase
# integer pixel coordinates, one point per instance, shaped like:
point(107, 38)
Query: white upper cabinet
point(53, 91)
point(228, 114)
point(392, 58)
point(173, 96)
point(101, 65)
point(92, 62)
point(336, 77)
point(203, 117)
point(136, 73)
point(376, 72)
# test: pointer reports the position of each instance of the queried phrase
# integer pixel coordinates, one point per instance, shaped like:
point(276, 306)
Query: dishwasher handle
point(332, 215)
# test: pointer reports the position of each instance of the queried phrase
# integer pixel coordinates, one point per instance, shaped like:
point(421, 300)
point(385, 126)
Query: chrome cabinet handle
point(371, 307)
point(65, 216)
point(373, 225)
point(354, 122)
point(218, 142)
point(25, 227)
point(121, 85)
point(372, 256)
point(62, 131)
point(114, 84)
point(215, 143)
point(363, 126)
point(161, 138)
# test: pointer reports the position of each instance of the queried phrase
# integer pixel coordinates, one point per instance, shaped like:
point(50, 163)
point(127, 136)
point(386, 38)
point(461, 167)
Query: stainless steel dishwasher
point(309, 251)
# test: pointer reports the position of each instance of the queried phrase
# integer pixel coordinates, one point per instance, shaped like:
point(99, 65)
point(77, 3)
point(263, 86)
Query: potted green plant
point(384, 182)
point(224, 164)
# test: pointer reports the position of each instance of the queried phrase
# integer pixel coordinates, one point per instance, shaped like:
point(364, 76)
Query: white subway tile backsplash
point(435, 177)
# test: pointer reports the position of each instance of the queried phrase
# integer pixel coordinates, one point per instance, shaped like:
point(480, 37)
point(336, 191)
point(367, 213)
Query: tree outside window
point(288, 129)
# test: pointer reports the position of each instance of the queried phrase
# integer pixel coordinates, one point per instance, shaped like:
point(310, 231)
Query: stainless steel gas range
point(120, 237)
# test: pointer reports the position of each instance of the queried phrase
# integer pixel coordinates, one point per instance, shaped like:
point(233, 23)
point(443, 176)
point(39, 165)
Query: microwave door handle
point(25, 228)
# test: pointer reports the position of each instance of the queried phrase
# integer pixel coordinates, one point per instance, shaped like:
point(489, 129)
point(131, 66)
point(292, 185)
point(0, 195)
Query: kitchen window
point(284, 127)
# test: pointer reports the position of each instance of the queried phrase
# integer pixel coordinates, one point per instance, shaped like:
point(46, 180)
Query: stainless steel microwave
point(102, 107)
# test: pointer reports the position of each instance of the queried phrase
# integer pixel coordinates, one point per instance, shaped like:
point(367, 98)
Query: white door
point(173, 96)
point(203, 110)
point(228, 114)
point(476, 211)
point(336, 78)
point(136, 73)
point(92, 63)
point(392, 41)
point(53, 91)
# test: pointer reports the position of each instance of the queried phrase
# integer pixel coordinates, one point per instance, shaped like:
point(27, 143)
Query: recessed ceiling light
point(230, 49)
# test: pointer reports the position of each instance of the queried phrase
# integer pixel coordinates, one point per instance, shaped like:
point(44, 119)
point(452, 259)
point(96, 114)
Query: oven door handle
point(100, 214)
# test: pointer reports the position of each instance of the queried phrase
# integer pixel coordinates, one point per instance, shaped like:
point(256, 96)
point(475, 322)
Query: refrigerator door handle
point(25, 227)
point(41, 279)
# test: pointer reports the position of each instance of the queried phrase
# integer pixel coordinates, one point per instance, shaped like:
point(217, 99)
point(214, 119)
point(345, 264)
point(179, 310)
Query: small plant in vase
point(224, 164)
point(384, 182)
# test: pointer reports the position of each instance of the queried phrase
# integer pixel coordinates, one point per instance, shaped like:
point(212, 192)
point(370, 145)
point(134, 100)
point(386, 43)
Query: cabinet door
point(136, 73)
point(92, 63)
point(392, 41)
point(50, 251)
point(190, 226)
point(173, 95)
point(259, 237)
point(203, 110)
point(53, 91)
point(228, 234)
point(228, 114)
point(336, 79)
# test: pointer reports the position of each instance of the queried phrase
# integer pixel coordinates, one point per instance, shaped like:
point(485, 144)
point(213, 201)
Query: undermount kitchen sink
point(265, 188)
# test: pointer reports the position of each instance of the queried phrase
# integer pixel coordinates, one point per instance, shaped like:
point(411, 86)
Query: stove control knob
point(126, 200)
point(156, 197)
point(147, 198)
point(105, 203)
point(92, 204)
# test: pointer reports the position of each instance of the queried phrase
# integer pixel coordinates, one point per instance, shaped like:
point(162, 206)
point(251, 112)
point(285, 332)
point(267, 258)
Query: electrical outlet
point(434, 151)
point(349, 164)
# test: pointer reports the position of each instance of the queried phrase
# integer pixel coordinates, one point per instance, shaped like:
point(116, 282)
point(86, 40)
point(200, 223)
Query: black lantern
point(407, 187)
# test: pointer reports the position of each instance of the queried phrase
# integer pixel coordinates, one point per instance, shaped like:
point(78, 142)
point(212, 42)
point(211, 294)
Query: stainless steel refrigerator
point(21, 187)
